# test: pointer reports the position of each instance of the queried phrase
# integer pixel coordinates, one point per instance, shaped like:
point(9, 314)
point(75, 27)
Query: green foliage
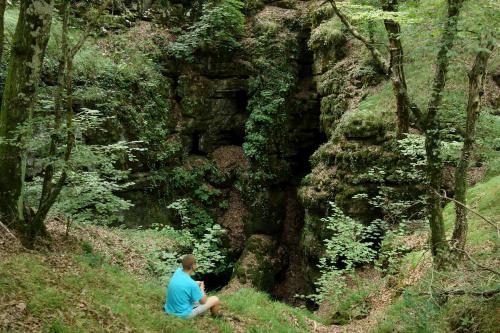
point(93, 179)
point(347, 248)
point(413, 149)
point(218, 30)
point(209, 252)
point(266, 137)
point(123, 80)
point(417, 311)
point(207, 195)
point(200, 236)
point(193, 217)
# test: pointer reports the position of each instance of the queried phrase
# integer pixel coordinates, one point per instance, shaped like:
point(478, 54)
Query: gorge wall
point(260, 139)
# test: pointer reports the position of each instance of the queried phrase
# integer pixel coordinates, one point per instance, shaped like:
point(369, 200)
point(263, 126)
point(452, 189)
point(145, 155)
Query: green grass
point(421, 31)
point(483, 198)
point(420, 313)
point(81, 294)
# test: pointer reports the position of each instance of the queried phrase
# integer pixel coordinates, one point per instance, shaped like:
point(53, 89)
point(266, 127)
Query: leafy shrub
point(93, 179)
point(207, 249)
point(217, 30)
point(344, 250)
point(265, 132)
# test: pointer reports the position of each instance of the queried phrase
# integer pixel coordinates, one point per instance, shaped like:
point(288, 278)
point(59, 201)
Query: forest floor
point(96, 279)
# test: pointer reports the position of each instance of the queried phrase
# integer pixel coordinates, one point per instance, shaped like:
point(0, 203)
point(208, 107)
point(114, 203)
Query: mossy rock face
point(260, 262)
point(213, 111)
point(362, 125)
point(358, 164)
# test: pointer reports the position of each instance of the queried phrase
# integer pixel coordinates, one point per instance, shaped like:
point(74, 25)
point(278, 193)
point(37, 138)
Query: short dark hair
point(188, 261)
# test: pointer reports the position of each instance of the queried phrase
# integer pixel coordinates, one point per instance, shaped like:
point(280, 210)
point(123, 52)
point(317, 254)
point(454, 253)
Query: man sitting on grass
point(186, 297)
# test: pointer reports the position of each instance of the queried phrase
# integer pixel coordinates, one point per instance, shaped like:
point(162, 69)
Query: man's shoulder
point(181, 276)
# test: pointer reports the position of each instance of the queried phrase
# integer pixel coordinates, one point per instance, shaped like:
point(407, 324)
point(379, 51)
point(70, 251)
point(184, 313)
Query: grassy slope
point(81, 293)
point(421, 313)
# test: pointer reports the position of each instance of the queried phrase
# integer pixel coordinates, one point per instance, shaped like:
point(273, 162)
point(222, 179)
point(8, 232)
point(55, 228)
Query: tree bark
point(28, 50)
point(476, 87)
point(396, 69)
point(2, 23)
point(439, 246)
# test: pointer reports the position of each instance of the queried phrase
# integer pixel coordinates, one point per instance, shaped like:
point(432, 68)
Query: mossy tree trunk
point(52, 188)
point(476, 86)
point(439, 246)
point(396, 70)
point(2, 22)
point(28, 49)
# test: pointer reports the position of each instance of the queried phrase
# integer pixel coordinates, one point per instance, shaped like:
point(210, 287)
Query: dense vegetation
point(339, 156)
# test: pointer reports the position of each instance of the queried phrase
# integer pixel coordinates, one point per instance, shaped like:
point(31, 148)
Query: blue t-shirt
point(182, 292)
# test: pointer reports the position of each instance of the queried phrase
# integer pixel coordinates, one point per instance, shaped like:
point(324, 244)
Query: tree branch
point(7, 230)
point(88, 29)
point(485, 293)
point(377, 56)
point(476, 263)
point(468, 208)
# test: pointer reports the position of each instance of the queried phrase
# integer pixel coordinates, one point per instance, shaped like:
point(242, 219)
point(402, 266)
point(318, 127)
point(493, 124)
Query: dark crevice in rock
point(306, 138)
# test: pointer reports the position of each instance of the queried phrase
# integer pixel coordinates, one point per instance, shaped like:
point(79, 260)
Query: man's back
point(182, 292)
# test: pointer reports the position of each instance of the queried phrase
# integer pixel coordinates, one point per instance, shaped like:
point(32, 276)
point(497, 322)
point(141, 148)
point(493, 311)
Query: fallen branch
point(7, 230)
point(444, 196)
point(485, 293)
point(475, 262)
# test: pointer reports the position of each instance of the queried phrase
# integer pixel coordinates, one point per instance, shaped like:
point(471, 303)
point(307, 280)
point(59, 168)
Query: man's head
point(188, 262)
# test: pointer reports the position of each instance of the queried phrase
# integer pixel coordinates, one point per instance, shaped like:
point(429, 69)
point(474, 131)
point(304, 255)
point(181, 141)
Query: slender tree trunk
point(439, 247)
point(28, 49)
point(2, 23)
point(51, 189)
point(58, 101)
point(476, 86)
point(397, 73)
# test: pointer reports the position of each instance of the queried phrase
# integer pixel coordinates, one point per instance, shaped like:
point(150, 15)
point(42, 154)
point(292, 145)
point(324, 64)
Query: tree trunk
point(396, 71)
point(439, 247)
point(51, 189)
point(2, 22)
point(28, 49)
point(58, 101)
point(476, 85)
